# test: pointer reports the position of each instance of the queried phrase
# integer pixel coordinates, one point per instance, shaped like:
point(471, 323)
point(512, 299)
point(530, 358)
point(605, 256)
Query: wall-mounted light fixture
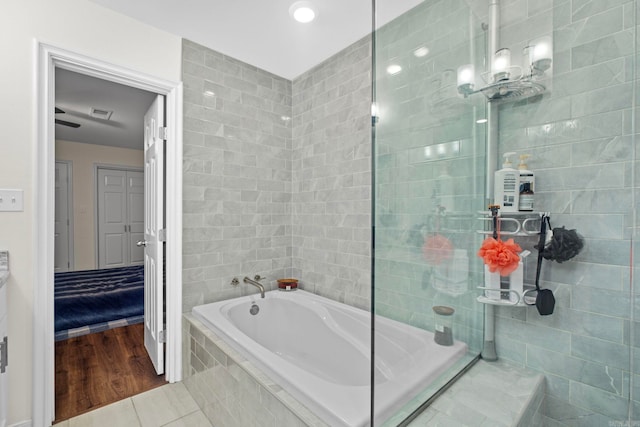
point(505, 80)
point(466, 78)
point(538, 54)
point(501, 65)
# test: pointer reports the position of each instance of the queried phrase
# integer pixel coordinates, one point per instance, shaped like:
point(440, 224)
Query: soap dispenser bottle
point(507, 186)
point(527, 185)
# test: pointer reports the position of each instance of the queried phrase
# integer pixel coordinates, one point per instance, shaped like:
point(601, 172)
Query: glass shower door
point(429, 179)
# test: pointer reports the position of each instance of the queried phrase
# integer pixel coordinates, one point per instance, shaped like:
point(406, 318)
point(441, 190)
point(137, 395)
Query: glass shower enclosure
point(429, 178)
point(437, 142)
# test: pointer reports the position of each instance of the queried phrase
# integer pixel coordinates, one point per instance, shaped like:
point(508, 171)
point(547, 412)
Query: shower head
point(512, 90)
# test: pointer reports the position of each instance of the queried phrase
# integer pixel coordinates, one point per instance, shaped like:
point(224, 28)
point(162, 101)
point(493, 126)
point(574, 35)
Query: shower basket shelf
point(516, 223)
point(505, 302)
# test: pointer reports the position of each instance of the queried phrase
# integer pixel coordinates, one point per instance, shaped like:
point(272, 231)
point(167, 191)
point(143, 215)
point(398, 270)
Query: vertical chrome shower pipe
point(492, 110)
point(489, 348)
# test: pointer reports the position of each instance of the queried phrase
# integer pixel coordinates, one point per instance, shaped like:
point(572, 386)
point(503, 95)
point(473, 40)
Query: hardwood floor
point(97, 369)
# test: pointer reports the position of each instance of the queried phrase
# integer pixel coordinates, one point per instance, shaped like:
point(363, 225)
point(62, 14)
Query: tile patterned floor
point(489, 395)
point(167, 406)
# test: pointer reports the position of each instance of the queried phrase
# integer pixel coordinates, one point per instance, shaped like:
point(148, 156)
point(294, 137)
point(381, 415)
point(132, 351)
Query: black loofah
point(564, 245)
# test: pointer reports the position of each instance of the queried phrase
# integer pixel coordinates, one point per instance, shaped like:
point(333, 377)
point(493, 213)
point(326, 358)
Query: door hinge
point(163, 133)
point(162, 234)
point(162, 337)
point(4, 354)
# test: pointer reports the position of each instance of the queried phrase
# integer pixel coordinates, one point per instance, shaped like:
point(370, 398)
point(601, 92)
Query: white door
point(120, 217)
point(135, 216)
point(112, 218)
point(153, 224)
point(62, 222)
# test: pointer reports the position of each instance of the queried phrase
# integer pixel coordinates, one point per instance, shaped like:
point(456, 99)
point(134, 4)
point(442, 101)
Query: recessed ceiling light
point(394, 69)
point(421, 51)
point(480, 121)
point(303, 11)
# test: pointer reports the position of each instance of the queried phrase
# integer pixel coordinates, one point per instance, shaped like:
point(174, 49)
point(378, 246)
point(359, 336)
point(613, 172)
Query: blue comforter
point(84, 298)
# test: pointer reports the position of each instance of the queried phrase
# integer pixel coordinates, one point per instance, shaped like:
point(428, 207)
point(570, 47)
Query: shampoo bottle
point(527, 184)
point(507, 186)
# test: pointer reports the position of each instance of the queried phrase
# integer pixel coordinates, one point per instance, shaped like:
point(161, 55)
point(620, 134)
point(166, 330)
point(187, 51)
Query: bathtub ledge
point(258, 391)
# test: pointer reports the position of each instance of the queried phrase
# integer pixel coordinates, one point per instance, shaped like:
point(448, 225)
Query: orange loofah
point(436, 249)
point(500, 256)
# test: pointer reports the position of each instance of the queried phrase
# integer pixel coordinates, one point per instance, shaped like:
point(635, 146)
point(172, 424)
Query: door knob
point(141, 243)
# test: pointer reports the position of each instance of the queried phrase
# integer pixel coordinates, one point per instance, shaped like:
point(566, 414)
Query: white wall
point(83, 158)
point(79, 26)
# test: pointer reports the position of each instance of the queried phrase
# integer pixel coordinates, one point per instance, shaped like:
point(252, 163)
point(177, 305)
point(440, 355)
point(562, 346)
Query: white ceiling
point(259, 32)
point(77, 93)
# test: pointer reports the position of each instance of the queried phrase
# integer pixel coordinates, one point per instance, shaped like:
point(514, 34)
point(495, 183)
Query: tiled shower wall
point(580, 137)
point(275, 190)
point(429, 170)
point(237, 176)
point(331, 200)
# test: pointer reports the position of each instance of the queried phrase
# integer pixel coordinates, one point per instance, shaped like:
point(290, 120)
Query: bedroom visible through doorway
point(99, 303)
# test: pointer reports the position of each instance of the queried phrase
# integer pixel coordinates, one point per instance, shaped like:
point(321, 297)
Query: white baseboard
point(22, 424)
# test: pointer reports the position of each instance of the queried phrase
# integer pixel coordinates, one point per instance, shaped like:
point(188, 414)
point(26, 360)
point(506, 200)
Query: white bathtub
point(319, 351)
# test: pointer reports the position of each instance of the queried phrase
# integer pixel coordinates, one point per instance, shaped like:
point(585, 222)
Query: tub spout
point(256, 284)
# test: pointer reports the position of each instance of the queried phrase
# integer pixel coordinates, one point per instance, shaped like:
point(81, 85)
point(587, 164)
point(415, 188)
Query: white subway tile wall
point(331, 198)
point(579, 135)
point(275, 190)
point(237, 176)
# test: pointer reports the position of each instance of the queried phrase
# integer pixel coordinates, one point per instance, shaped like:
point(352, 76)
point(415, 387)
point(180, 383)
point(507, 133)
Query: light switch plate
point(11, 200)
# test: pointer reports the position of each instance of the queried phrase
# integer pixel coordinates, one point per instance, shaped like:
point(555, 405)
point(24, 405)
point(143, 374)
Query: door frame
point(50, 57)
point(70, 234)
point(96, 167)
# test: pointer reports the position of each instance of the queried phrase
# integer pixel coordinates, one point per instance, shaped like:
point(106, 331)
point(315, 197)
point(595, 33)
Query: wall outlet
point(11, 200)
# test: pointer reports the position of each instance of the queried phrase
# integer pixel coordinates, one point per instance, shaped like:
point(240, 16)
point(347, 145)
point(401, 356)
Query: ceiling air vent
point(100, 114)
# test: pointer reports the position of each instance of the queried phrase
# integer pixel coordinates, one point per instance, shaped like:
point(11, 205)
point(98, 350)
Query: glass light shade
point(466, 79)
point(501, 64)
point(540, 55)
point(466, 75)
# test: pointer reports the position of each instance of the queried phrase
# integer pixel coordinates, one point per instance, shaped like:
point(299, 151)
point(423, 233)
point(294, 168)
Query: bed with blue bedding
point(96, 300)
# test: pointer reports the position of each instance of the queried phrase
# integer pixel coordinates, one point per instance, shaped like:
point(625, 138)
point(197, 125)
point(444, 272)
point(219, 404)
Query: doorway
point(100, 349)
point(51, 58)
